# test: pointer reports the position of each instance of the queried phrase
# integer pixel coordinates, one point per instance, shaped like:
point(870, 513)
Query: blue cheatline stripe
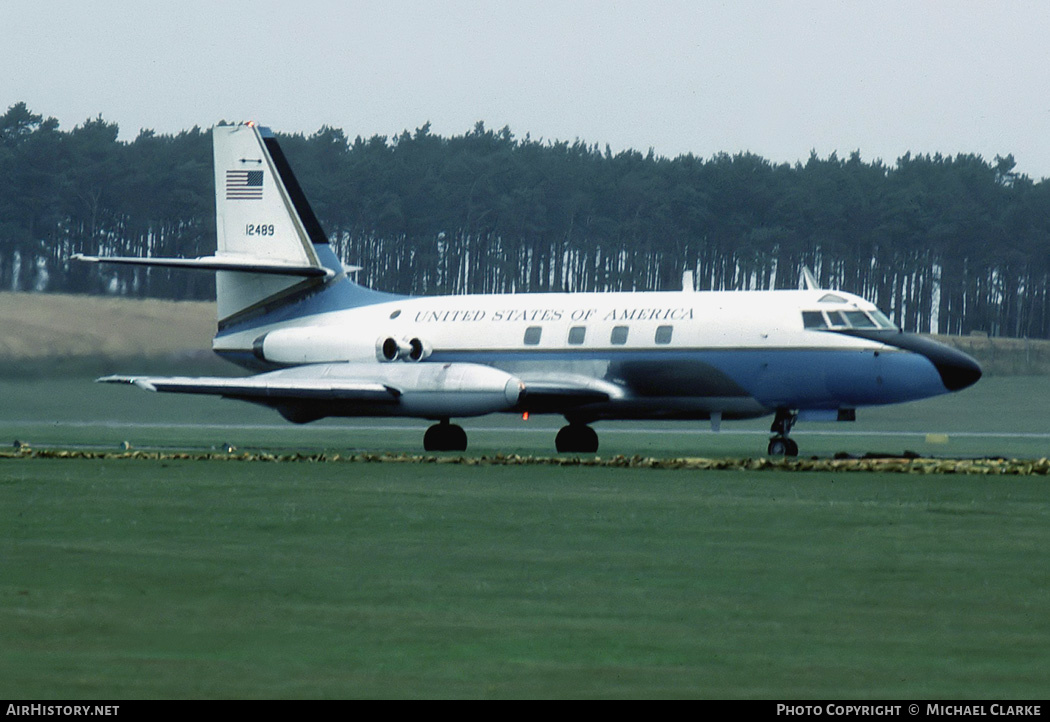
point(794, 378)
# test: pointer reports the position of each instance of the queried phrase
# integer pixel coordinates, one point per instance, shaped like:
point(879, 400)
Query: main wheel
point(576, 438)
point(458, 438)
point(445, 437)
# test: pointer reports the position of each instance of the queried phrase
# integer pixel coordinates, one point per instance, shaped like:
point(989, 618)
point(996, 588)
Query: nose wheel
point(782, 447)
point(780, 444)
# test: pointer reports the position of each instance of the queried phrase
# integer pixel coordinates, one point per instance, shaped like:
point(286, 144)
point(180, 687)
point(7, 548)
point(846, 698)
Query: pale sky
point(775, 78)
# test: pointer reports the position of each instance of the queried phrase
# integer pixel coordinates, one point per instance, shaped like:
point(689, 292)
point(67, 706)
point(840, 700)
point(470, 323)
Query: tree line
point(949, 244)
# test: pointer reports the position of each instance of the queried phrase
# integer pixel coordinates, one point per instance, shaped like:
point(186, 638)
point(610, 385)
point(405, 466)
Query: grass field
point(128, 579)
point(226, 579)
point(251, 580)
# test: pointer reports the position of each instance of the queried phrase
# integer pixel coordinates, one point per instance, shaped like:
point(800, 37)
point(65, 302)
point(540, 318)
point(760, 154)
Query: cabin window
point(532, 335)
point(813, 319)
point(859, 319)
point(619, 336)
point(577, 334)
point(663, 334)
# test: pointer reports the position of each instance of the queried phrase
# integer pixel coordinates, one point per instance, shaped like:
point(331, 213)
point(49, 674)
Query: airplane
point(326, 346)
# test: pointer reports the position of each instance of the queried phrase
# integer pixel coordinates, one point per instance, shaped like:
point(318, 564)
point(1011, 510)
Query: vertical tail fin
point(261, 215)
point(261, 212)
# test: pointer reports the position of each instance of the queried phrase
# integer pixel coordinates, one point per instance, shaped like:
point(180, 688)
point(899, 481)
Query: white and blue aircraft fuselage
point(326, 346)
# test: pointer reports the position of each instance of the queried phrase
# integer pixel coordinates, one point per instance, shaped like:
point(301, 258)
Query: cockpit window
point(838, 319)
point(882, 320)
point(831, 298)
point(813, 319)
point(859, 319)
point(853, 318)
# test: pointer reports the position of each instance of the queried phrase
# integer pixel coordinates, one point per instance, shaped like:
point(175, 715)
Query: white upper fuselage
point(502, 323)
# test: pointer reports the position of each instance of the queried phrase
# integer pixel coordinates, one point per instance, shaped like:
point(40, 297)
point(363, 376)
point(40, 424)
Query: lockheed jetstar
point(326, 346)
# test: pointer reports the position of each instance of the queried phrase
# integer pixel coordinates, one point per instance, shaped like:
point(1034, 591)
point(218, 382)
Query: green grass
point(131, 579)
point(174, 579)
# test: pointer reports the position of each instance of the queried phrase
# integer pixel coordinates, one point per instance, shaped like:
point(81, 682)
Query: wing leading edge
point(261, 388)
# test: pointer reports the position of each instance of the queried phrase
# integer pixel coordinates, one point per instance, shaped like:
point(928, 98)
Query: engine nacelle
point(420, 349)
point(393, 349)
point(320, 344)
point(455, 389)
point(311, 345)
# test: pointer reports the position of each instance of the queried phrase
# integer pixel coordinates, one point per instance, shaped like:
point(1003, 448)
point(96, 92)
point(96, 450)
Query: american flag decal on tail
point(244, 185)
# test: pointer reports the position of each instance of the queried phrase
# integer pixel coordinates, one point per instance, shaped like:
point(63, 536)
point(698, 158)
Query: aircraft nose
point(957, 370)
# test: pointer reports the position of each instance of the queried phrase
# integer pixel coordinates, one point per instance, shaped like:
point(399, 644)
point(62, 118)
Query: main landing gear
point(444, 436)
point(576, 437)
point(780, 444)
point(581, 439)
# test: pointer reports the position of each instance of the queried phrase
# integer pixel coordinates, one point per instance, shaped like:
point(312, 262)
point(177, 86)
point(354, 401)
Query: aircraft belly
point(648, 376)
point(651, 387)
point(743, 381)
point(672, 408)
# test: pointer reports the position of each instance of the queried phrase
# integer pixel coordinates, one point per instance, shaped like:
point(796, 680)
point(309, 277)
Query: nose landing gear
point(780, 444)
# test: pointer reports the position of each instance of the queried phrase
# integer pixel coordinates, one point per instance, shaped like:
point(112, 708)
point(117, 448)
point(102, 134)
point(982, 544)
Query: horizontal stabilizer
point(215, 263)
point(264, 386)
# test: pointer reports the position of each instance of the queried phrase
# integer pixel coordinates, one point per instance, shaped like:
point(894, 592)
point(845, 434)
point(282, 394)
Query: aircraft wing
point(305, 393)
point(264, 387)
point(535, 396)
